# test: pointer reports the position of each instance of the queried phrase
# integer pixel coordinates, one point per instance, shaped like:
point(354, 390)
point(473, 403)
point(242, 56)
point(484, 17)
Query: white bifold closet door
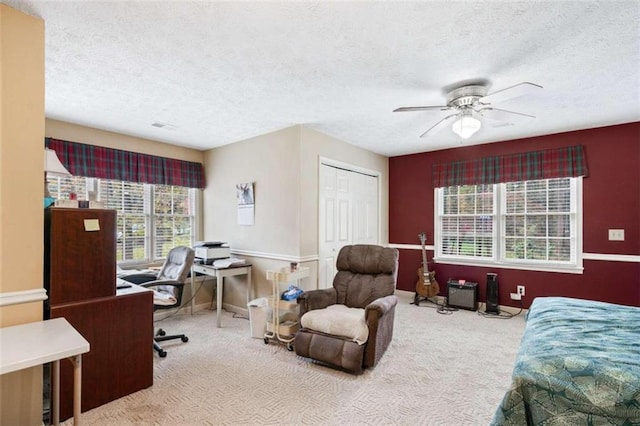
point(348, 215)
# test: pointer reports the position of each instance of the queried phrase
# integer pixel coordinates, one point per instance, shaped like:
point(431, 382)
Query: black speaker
point(462, 295)
point(492, 294)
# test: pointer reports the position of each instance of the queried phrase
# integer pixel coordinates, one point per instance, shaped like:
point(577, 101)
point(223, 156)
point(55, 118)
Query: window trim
point(498, 262)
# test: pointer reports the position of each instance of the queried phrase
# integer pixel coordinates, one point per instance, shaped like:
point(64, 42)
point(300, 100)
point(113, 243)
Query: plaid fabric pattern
point(547, 164)
point(108, 163)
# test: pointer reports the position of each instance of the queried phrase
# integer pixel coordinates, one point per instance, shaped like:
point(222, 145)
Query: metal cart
point(279, 330)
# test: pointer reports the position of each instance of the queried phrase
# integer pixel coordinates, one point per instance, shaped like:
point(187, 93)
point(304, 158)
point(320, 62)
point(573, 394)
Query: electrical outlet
point(616, 234)
point(520, 290)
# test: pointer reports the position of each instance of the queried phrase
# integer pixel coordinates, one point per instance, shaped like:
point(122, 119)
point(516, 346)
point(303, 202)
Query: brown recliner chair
point(366, 280)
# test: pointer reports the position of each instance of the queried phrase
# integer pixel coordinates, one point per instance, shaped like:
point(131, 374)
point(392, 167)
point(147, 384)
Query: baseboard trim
point(186, 310)
point(481, 305)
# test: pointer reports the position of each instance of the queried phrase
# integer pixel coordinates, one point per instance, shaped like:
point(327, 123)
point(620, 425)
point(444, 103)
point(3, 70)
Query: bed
point(578, 364)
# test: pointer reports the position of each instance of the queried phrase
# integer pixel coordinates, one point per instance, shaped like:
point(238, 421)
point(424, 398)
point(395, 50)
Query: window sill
point(505, 265)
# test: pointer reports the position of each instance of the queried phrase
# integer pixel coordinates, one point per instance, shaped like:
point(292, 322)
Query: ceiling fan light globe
point(466, 126)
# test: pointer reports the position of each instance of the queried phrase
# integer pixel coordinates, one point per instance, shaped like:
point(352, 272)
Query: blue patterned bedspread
point(578, 364)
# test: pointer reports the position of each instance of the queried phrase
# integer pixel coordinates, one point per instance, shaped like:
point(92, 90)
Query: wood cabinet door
point(80, 254)
point(119, 330)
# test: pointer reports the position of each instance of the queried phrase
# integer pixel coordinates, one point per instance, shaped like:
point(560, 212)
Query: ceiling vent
point(164, 126)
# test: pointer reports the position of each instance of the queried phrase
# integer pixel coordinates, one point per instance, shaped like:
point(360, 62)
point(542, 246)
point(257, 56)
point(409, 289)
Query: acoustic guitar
point(427, 286)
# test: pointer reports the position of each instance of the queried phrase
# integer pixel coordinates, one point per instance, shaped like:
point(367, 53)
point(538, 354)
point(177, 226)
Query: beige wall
point(21, 196)
point(271, 162)
point(315, 145)
point(284, 167)
point(82, 134)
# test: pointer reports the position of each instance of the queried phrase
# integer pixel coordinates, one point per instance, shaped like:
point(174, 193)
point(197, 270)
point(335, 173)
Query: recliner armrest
point(379, 316)
point(381, 306)
point(317, 299)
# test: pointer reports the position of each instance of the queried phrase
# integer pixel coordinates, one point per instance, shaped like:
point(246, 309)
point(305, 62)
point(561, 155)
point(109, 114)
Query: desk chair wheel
point(185, 339)
point(162, 353)
point(160, 332)
point(266, 340)
point(290, 347)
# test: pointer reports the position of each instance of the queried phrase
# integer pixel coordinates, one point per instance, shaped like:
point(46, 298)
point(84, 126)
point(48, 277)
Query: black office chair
point(168, 282)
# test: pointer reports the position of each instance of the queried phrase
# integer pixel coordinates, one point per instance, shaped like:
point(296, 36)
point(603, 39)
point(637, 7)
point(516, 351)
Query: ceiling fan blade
point(440, 125)
point(423, 108)
point(502, 115)
point(512, 92)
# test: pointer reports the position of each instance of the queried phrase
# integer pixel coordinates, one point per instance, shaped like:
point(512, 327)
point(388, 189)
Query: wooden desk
point(220, 274)
point(28, 345)
point(80, 279)
point(120, 331)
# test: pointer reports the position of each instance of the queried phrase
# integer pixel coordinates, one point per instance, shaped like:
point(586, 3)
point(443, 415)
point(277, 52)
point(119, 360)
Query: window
point(525, 225)
point(151, 218)
point(172, 218)
point(467, 221)
point(130, 200)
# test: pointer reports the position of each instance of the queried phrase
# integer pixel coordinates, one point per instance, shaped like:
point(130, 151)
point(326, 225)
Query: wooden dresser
point(80, 279)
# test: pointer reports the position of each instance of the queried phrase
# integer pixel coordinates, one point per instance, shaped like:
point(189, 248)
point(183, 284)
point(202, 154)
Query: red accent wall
point(611, 199)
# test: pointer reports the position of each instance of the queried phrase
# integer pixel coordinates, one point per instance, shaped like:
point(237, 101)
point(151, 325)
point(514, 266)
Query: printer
point(208, 251)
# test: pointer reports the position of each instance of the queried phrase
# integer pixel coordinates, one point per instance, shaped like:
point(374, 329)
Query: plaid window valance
point(547, 164)
point(108, 163)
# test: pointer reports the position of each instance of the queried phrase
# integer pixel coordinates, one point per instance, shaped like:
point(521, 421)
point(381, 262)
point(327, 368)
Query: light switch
point(616, 234)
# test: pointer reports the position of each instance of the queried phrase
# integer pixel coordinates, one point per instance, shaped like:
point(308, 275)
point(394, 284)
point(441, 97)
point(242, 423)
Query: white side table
point(220, 274)
point(28, 345)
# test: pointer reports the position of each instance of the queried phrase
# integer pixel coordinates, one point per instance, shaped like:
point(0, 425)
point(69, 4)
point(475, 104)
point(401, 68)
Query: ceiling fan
point(471, 103)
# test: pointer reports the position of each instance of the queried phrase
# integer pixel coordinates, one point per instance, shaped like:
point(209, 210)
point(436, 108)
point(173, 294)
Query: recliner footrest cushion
point(340, 353)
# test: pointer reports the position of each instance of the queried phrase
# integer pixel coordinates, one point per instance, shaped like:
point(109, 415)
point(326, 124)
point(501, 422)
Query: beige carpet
point(439, 370)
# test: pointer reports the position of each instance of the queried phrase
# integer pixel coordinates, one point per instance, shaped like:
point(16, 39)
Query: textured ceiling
point(221, 72)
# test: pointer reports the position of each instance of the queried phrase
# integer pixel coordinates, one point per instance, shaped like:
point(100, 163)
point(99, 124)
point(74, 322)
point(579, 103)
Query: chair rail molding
point(25, 296)
point(411, 246)
point(276, 256)
point(585, 256)
point(611, 257)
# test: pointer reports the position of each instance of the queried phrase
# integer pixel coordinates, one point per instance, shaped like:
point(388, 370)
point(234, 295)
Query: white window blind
point(467, 221)
point(539, 220)
point(173, 218)
point(129, 199)
point(529, 225)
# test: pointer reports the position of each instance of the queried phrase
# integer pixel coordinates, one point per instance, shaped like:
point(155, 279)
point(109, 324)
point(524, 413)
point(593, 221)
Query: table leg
point(77, 388)
point(249, 286)
point(219, 286)
point(55, 392)
point(213, 298)
point(193, 292)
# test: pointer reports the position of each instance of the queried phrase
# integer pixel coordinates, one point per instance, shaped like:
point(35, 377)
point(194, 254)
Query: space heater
point(493, 306)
